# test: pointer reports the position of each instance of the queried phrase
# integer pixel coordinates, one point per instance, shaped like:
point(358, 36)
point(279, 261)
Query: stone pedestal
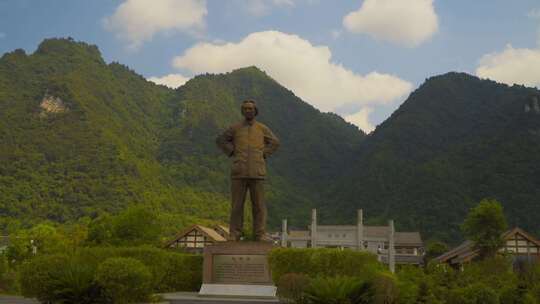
point(237, 269)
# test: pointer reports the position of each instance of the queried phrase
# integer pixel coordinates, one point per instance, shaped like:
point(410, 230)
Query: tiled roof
point(224, 228)
point(465, 251)
point(211, 233)
point(298, 233)
point(376, 231)
point(408, 238)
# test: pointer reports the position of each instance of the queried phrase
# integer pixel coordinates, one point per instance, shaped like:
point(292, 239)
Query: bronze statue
point(249, 142)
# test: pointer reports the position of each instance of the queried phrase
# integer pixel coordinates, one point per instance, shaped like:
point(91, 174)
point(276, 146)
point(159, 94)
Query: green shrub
point(8, 276)
point(386, 289)
point(535, 292)
point(292, 287)
point(35, 274)
point(289, 260)
point(183, 272)
point(171, 271)
point(339, 290)
point(474, 294)
point(496, 273)
point(333, 262)
point(124, 280)
point(441, 279)
point(323, 262)
point(4, 270)
point(59, 279)
point(529, 273)
point(66, 278)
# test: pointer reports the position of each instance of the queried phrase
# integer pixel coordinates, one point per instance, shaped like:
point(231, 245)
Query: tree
point(484, 226)
point(434, 249)
point(137, 225)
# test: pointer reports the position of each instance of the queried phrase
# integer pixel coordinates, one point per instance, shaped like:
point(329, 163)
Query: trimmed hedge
point(72, 279)
point(59, 279)
point(324, 262)
point(171, 271)
point(124, 280)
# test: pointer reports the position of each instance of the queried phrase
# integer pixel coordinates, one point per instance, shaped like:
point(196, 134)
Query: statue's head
point(249, 109)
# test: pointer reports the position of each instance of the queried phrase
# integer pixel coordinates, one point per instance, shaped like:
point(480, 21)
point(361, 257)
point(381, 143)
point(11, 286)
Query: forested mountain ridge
point(81, 137)
point(455, 140)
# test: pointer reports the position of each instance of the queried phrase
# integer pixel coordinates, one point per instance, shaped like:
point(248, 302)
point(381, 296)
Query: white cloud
point(2, 35)
point(137, 21)
point(306, 69)
point(520, 66)
point(172, 81)
point(407, 23)
point(361, 119)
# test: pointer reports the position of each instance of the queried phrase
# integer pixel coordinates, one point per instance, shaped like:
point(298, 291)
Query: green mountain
point(80, 137)
point(455, 140)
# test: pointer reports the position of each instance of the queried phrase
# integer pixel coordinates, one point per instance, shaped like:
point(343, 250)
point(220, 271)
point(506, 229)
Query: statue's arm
point(225, 142)
point(271, 142)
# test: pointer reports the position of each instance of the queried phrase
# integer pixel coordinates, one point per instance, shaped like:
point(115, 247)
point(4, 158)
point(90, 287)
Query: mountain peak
point(68, 47)
point(249, 70)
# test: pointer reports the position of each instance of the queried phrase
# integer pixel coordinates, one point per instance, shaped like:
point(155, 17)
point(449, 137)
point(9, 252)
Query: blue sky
point(358, 58)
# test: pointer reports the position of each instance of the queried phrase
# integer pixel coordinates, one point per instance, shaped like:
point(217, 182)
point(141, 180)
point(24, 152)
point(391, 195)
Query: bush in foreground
point(292, 287)
point(59, 279)
point(124, 280)
point(71, 279)
point(339, 290)
point(323, 262)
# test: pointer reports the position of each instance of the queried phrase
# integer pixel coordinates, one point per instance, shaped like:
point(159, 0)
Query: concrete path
point(170, 298)
point(16, 300)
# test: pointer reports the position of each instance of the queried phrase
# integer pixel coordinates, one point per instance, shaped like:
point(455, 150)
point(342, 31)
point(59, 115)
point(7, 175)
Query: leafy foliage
point(124, 280)
point(474, 294)
point(322, 262)
point(338, 290)
point(485, 225)
point(84, 277)
point(292, 287)
point(434, 249)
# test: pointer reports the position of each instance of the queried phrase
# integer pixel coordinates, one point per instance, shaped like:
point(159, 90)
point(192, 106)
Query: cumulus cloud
point(512, 66)
point(137, 21)
point(306, 69)
point(407, 23)
point(172, 81)
point(361, 119)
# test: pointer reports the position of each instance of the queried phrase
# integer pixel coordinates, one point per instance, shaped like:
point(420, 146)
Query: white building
point(391, 247)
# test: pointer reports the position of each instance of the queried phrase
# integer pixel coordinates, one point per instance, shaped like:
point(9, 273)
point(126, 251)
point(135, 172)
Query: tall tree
point(484, 226)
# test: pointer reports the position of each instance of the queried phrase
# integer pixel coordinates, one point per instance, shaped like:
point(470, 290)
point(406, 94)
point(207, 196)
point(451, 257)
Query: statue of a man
point(249, 143)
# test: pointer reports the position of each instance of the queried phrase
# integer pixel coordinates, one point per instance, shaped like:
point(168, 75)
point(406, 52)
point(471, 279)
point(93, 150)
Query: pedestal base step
point(238, 290)
point(195, 298)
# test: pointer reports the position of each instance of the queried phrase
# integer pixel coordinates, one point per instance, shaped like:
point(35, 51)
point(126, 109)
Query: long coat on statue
point(250, 145)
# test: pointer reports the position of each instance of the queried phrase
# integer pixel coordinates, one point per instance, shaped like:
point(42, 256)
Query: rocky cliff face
point(52, 105)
